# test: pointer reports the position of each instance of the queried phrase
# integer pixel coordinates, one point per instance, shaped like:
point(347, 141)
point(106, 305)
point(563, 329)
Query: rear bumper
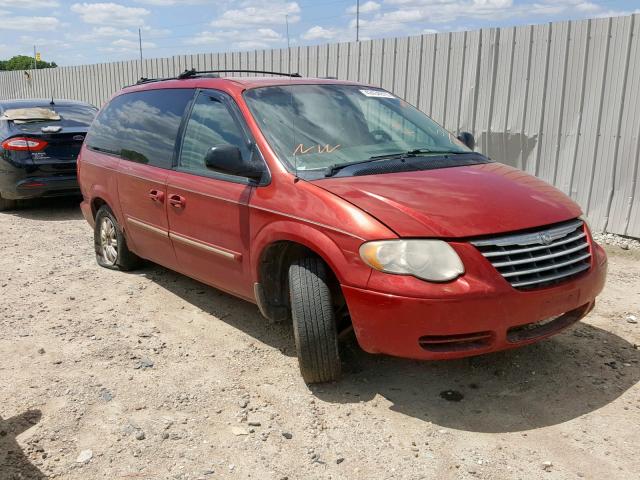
point(42, 186)
point(472, 323)
point(87, 213)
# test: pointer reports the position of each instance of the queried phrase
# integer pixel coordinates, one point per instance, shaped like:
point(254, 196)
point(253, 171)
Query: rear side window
point(142, 126)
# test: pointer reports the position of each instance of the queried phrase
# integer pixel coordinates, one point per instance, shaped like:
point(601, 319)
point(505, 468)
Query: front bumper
point(478, 319)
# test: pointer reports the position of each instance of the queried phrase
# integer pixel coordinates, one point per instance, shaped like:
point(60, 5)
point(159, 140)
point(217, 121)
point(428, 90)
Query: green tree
point(24, 62)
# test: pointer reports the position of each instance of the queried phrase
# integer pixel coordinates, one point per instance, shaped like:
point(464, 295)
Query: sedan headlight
point(432, 260)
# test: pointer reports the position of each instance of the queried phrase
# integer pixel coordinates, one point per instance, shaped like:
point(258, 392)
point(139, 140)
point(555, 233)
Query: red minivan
point(336, 205)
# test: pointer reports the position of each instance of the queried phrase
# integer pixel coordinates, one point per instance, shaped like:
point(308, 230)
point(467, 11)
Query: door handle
point(156, 195)
point(177, 201)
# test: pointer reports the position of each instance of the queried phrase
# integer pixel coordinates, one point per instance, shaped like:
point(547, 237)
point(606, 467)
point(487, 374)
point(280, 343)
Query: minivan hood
point(456, 202)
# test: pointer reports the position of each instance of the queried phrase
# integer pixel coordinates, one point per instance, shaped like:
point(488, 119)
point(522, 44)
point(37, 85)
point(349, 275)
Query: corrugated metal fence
point(559, 100)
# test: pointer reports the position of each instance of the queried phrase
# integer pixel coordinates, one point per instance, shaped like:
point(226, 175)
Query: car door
point(208, 212)
point(148, 125)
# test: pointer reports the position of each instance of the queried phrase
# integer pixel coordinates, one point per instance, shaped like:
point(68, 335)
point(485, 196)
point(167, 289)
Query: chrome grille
point(541, 258)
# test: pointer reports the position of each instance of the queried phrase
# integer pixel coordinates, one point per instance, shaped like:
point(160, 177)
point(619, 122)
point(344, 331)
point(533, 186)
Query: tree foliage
point(24, 62)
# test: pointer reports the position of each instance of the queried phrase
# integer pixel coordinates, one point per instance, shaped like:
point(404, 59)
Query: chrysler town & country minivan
point(335, 205)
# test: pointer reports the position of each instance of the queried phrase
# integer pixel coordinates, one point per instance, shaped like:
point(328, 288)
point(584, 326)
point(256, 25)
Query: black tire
point(122, 259)
point(6, 204)
point(314, 322)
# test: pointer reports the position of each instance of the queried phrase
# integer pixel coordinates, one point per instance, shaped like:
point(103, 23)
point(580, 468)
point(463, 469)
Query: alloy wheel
point(108, 241)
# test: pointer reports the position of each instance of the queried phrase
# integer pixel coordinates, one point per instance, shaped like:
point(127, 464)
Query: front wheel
point(110, 245)
point(314, 321)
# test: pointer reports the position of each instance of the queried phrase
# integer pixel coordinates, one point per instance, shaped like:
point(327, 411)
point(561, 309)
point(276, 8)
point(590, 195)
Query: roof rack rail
point(143, 80)
point(193, 73)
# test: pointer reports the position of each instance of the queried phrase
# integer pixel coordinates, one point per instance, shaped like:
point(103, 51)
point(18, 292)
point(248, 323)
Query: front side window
point(211, 123)
point(314, 127)
point(141, 126)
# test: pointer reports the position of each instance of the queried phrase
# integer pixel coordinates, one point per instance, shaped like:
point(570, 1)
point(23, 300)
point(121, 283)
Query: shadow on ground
point(557, 380)
point(544, 384)
point(236, 312)
point(48, 209)
point(14, 464)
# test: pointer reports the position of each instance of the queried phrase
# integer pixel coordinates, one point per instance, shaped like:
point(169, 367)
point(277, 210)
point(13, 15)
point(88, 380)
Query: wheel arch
point(99, 196)
point(276, 247)
point(96, 203)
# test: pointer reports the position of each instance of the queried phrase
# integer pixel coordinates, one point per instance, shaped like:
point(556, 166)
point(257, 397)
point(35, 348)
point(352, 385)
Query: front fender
point(338, 249)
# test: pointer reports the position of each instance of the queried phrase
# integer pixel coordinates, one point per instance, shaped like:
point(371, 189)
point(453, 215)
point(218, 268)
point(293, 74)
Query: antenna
point(293, 126)
point(286, 20)
point(53, 94)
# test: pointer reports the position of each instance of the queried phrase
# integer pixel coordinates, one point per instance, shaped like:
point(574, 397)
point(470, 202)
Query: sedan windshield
point(314, 128)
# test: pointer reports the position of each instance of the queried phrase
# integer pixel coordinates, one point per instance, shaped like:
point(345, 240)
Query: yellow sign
point(38, 56)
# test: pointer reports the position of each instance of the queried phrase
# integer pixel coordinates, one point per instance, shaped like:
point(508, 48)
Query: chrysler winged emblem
point(545, 238)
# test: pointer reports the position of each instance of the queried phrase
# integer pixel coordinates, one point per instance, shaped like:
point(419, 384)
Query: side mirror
point(468, 139)
point(228, 159)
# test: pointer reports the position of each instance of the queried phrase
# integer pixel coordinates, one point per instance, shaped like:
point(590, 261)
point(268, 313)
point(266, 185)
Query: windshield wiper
point(420, 151)
point(333, 169)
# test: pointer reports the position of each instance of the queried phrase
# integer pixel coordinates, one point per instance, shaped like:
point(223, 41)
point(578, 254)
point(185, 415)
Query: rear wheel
point(314, 321)
point(6, 204)
point(110, 245)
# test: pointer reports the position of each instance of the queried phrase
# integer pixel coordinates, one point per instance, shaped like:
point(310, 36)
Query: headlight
point(432, 260)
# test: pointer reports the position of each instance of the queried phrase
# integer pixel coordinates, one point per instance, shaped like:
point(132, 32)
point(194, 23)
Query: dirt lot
point(150, 375)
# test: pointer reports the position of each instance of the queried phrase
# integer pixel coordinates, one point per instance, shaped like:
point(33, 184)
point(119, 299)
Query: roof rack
point(192, 73)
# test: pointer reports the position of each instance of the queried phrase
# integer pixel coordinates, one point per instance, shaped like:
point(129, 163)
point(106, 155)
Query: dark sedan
point(39, 144)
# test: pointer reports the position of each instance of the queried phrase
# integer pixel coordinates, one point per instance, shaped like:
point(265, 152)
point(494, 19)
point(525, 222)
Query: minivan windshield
point(314, 128)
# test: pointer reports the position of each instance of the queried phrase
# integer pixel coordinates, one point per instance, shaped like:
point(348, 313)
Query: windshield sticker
point(302, 150)
point(376, 93)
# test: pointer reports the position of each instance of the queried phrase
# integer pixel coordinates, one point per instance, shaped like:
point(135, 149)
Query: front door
point(208, 212)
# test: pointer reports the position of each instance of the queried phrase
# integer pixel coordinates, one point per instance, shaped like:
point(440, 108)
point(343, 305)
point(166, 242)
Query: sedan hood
point(456, 202)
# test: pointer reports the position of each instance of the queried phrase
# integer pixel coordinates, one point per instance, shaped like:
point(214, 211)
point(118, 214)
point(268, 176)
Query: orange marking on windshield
point(302, 150)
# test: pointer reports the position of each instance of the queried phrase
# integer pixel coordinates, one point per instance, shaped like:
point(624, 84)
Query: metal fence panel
point(427, 65)
point(559, 100)
point(625, 183)
point(591, 111)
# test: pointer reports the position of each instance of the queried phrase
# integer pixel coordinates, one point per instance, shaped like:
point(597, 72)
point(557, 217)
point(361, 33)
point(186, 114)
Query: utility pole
point(286, 20)
point(35, 65)
point(358, 21)
point(140, 43)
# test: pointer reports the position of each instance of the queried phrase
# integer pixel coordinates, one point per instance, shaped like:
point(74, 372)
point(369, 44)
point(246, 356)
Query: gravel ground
point(613, 240)
point(151, 375)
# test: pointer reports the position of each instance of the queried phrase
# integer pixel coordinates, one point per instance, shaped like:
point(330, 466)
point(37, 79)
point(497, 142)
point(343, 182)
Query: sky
point(81, 32)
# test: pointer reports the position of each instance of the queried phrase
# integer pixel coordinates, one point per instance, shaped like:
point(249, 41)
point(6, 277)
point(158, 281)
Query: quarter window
point(141, 126)
point(211, 123)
